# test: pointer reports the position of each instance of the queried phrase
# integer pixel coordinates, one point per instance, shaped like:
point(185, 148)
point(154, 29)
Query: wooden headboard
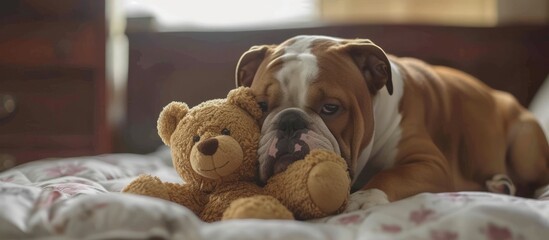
point(196, 66)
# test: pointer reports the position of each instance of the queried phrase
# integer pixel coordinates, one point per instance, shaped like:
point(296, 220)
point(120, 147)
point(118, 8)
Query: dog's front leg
point(404, 180)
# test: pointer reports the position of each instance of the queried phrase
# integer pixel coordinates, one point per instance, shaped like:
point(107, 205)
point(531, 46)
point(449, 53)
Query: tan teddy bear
point(214, 149)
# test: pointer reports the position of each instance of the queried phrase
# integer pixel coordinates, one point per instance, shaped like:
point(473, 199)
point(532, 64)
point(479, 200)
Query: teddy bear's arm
point(187, 195)
point(314, 187)
point(223, 195)
point(183, 194)
point(147, 185)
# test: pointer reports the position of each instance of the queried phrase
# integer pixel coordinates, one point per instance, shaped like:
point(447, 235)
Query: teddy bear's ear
point(169, 119)
point(243, 98)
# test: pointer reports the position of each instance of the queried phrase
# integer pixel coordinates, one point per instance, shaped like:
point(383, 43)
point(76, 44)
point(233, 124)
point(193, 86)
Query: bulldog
point(403, 126)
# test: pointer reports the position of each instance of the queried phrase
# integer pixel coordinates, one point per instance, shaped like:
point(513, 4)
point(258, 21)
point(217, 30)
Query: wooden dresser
point(53, 90)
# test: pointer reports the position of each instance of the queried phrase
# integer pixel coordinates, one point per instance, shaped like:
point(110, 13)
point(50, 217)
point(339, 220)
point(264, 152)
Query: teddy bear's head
point(214, 141)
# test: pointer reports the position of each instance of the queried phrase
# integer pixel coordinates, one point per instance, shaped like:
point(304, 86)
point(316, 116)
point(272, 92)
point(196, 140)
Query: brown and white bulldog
point(404, 127)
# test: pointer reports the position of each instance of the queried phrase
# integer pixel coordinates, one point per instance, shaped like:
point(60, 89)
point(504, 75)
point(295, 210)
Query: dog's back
point(481, 132)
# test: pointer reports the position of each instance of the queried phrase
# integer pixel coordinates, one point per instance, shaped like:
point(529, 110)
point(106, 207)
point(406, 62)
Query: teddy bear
point(214, 150)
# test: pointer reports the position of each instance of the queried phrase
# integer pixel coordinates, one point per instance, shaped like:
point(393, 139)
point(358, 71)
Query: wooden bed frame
point(196, 66)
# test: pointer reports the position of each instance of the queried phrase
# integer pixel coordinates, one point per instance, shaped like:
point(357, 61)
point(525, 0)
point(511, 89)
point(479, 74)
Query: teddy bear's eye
point(225, 131)
point(196, 138)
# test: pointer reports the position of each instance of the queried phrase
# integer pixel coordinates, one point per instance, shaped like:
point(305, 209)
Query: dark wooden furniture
point(53, 93)
point(195, 66)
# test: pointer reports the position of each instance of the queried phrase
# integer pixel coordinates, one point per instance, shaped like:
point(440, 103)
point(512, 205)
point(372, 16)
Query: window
point(222, 13)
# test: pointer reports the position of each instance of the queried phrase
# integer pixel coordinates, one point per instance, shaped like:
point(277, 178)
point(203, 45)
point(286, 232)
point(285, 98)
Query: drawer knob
point(6, 161)
point(7, 105)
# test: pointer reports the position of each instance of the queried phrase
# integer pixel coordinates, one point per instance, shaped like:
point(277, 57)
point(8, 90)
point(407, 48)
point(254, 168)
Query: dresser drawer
point(16, 156)
point(50, 43)
point(46, 103)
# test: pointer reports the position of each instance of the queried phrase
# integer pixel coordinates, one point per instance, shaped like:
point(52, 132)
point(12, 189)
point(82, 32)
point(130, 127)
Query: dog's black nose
point(291, 122)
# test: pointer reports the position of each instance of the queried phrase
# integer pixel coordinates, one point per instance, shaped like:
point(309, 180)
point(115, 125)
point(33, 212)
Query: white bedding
point(77, 198)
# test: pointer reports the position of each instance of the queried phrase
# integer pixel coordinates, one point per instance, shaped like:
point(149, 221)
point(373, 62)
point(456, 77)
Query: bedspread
point(78, 198)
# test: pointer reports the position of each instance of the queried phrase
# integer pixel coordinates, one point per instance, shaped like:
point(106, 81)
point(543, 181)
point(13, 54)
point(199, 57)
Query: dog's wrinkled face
point(289, 134)
point(315, 92)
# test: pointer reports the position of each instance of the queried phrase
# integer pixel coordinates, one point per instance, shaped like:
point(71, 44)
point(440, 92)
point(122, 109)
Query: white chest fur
point(382, 150)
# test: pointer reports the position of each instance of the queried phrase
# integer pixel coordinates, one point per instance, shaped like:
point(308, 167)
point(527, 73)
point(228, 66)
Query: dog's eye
point(263, 105)
point(329, 109)
point(196, 138)
point(225, 131)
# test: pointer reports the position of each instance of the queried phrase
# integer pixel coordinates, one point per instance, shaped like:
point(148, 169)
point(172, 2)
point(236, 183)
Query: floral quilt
point(78, 198)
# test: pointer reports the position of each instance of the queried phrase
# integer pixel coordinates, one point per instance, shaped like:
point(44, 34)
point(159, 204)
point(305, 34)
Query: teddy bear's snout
point(217, 156)
point(208, 147)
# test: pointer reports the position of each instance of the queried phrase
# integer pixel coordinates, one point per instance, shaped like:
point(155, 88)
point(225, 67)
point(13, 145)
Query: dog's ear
point(248, 64)
point(372, 62)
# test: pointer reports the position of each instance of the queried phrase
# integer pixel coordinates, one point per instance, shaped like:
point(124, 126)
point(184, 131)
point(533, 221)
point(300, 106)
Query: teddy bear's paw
point(323, 155)
point(257, 207)
point(364, 199)
point(148, 186)
point(329, 184)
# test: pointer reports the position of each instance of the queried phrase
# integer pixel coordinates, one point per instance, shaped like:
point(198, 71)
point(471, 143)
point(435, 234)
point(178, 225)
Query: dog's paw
point(542, 193)
point(365, 199)
point(502, 184)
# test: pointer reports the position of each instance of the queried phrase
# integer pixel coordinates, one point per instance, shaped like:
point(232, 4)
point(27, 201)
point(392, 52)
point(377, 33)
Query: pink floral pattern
point(495, 232)
point(455, 197)
point(69, 189)
point(350, 219)
point(443, 235)
point(7, 179)
point(69, 169)
point(421, 215)
point(391, 228)
point(52, 206)
point(47, 199)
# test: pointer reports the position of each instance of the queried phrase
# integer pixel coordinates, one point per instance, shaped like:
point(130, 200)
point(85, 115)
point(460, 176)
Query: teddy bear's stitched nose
point(208, 147)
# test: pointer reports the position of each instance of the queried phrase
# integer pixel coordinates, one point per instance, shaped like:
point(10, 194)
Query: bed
point(79, 197)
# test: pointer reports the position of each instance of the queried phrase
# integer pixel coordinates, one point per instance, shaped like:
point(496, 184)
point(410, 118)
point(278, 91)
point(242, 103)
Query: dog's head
point(315, 92)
